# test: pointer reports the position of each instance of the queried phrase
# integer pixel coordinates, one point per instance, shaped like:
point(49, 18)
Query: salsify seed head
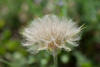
point(50, 33)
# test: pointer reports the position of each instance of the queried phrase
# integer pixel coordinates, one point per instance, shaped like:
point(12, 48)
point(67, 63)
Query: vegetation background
point(16, 14)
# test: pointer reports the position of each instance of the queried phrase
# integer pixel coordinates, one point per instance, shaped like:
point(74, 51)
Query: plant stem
point(55, 58)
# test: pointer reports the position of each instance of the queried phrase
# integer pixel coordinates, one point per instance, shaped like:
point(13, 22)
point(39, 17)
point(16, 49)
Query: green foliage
point(15, 14)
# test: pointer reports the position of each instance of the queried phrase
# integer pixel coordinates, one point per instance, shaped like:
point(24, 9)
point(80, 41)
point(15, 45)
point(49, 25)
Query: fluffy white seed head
point(50, 32)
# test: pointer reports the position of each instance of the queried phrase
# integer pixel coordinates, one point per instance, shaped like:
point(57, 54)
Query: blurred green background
point(16, 14)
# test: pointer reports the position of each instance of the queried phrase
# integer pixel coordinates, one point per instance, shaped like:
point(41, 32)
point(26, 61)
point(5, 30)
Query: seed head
point(50, 33)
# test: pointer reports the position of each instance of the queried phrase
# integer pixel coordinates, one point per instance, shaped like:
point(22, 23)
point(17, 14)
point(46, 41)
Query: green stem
point(55, 58)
